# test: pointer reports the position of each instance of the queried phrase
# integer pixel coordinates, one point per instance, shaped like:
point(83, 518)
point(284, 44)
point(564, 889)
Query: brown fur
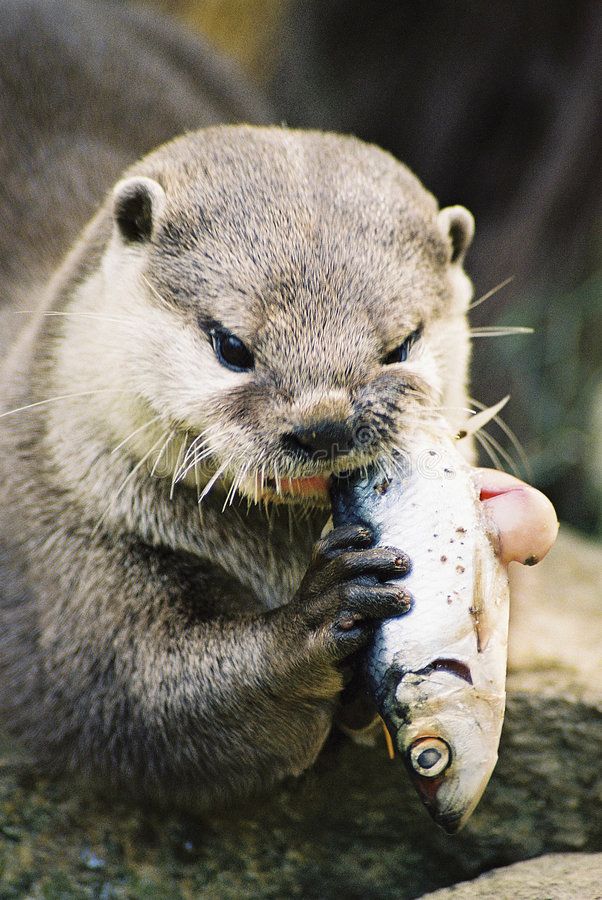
point(185, 653)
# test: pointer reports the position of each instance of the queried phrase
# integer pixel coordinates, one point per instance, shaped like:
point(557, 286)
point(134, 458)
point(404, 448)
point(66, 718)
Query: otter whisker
point(231, 492)
point(177, 465)
point(192, 463)
point(278, 481)
point(135, 432)
point(197, 481)
point(499, 330)
point(190, 460)
point(184, 468)
point(215, 477)
point(400, 465)
point(381, 462)
point(395, 465)
point(505, 456)
point(137, 467)
point(245, 475)
point(152, 288)
point(236, 483)
point(199, 440)
point(242, 475)
point(491, 292)
point(192, 456)
point(209, 451)
point(170, 437)
point(19, 409)
point(482, 439)
point(512, 437)
point(190, 450)
point(78, 315)
point(436, 409)
point(229, 495)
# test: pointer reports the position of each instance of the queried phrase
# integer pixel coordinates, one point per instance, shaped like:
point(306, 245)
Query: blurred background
point(497, 106)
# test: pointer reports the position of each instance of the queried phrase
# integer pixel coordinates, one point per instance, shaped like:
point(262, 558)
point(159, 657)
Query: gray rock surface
point(559, 876)
point(352, 827)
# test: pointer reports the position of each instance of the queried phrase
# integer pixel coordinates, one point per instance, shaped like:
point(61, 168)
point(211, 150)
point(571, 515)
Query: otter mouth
point(312, 490)
point(309, 490)
point(311, 487)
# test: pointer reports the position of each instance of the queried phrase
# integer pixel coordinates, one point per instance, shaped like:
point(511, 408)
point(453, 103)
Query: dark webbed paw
point(344, 591)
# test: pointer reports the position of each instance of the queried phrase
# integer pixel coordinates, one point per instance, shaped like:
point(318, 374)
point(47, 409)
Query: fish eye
point(430, 756)
point(400, 354)
point(230, 350)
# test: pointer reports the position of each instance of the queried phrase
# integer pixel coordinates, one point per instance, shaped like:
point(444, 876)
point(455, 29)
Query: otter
point(250, 311)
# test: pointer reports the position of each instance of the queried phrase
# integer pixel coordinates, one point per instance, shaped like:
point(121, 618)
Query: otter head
point(292, 304)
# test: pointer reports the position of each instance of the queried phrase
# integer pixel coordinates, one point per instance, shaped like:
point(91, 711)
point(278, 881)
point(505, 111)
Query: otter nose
point(325, 439)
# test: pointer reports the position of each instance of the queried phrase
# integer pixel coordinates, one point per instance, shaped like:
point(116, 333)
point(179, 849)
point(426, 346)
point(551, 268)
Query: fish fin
point(388, 740)
point(480, 419)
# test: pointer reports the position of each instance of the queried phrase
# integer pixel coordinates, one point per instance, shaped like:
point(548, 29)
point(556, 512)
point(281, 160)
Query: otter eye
point(400, 354)
point(430, 756)
point(231, 351)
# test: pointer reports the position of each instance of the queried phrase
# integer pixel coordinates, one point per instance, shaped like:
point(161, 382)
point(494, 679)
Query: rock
point(556, 619)
point(561, 876)
point(353, 827)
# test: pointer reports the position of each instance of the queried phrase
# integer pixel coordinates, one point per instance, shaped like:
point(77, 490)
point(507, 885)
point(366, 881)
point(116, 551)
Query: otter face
point(299, 305)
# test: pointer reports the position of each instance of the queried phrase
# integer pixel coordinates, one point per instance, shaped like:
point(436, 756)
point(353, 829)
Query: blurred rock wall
point(494, 105)
point(245, 29)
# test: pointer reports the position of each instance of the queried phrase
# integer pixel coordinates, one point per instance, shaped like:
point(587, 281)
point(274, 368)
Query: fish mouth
point(452, 819)
point(450, 822)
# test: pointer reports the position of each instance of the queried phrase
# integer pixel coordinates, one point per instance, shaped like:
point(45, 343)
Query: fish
point(437, 674)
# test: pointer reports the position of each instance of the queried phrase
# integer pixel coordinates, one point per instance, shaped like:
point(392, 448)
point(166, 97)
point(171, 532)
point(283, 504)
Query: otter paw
point(344, 591)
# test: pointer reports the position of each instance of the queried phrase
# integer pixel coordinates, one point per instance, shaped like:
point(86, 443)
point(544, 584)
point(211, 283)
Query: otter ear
point(137, 204)
point(457, 224)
